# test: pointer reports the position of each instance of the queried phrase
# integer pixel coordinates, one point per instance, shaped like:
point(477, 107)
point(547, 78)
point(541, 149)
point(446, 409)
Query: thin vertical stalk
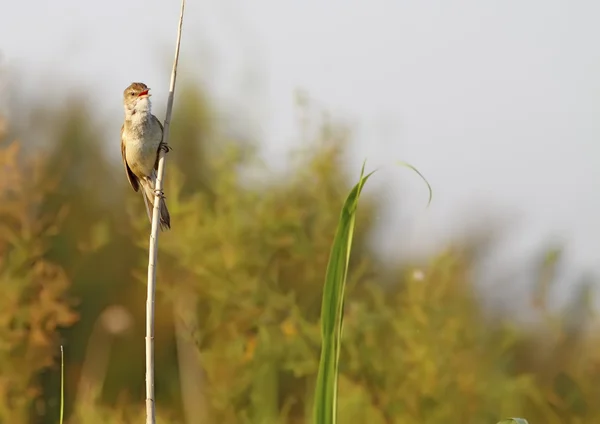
point(153, 250)
point(62, 385)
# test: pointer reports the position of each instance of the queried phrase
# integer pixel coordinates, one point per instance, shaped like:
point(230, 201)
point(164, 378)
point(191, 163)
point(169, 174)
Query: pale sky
point(497, 103)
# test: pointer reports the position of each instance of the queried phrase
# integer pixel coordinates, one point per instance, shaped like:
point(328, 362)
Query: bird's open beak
point(144, 93)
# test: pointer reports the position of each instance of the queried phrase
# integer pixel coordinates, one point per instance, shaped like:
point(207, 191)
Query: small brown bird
point(141, 140)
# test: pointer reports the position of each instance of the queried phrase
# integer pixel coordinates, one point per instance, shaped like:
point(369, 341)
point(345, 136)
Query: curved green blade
point(332, 307)
point(325, 404)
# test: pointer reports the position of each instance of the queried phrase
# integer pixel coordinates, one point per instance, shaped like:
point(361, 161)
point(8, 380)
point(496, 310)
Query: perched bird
point(141, 141)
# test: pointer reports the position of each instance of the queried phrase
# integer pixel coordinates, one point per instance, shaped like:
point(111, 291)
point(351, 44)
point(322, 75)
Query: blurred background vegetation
point(240, 279)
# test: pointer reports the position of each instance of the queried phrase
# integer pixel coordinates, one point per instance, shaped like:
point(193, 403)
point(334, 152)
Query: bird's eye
point(132, 93)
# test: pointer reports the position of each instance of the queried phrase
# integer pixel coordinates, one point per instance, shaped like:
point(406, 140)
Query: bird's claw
point(160, 194)
point(165, 147)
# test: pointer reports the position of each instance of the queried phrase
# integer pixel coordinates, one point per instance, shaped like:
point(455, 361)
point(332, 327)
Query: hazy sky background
point(497, 103)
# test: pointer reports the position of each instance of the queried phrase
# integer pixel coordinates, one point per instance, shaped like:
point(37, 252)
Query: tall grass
point(153, 245)
point(332, 308)
point(332, 313)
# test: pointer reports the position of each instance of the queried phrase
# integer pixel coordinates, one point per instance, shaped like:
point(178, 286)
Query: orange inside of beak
point(143, 93)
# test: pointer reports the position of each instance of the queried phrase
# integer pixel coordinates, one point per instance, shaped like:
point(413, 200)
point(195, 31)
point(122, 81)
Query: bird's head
point(136, 98)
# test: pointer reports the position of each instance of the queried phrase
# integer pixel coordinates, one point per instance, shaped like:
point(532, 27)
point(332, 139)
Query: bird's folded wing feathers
point(130, 175)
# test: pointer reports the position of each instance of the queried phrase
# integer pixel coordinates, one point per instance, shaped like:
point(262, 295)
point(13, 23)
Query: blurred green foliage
point(240, 281)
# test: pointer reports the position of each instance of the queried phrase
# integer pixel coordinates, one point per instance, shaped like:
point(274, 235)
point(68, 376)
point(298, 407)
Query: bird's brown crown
point(134, 90)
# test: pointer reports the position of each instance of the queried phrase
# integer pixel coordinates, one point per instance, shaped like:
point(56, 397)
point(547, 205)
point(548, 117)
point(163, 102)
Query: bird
point(141, 142)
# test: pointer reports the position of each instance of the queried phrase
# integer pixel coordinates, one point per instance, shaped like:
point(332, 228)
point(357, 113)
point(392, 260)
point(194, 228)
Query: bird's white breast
point(142, 139)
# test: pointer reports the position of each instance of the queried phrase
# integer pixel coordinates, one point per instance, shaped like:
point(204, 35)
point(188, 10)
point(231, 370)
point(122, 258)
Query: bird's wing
point(130, 175)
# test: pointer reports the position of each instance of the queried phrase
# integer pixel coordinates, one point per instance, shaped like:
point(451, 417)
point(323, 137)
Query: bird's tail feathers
point(148, 194)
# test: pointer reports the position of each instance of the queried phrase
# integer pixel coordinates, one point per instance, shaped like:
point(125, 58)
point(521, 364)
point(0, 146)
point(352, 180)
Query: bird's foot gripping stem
point(165, 147)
